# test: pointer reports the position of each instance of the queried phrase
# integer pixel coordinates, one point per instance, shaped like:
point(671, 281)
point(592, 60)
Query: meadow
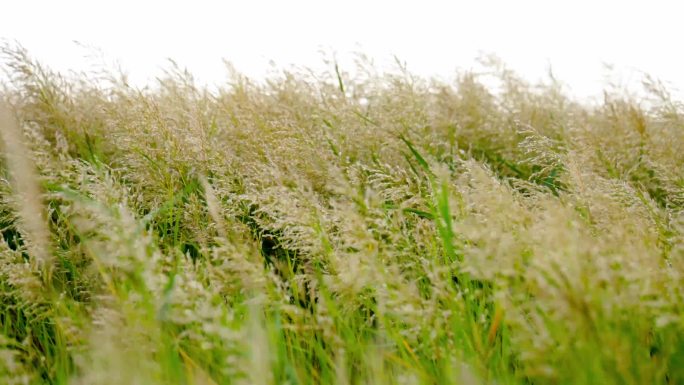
point(329, 228)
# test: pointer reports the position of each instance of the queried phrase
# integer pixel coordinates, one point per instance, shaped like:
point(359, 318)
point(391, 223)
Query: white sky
point(433, 37)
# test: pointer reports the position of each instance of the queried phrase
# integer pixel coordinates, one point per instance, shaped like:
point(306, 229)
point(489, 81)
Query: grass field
point(323, 228)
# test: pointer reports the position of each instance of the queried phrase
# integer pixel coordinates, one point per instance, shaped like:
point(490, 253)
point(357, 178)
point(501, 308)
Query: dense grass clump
point(323, 228)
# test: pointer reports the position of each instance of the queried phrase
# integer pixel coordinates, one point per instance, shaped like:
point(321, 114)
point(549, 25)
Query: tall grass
point(321, 228)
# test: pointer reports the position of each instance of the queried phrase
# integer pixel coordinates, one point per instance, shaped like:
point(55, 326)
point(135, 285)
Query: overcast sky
point(434, 37)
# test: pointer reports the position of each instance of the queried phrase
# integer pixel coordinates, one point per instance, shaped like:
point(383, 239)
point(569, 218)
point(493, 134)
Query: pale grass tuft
point(28, 197)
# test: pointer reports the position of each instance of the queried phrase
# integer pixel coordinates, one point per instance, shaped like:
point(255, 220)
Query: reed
point(321, 228)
